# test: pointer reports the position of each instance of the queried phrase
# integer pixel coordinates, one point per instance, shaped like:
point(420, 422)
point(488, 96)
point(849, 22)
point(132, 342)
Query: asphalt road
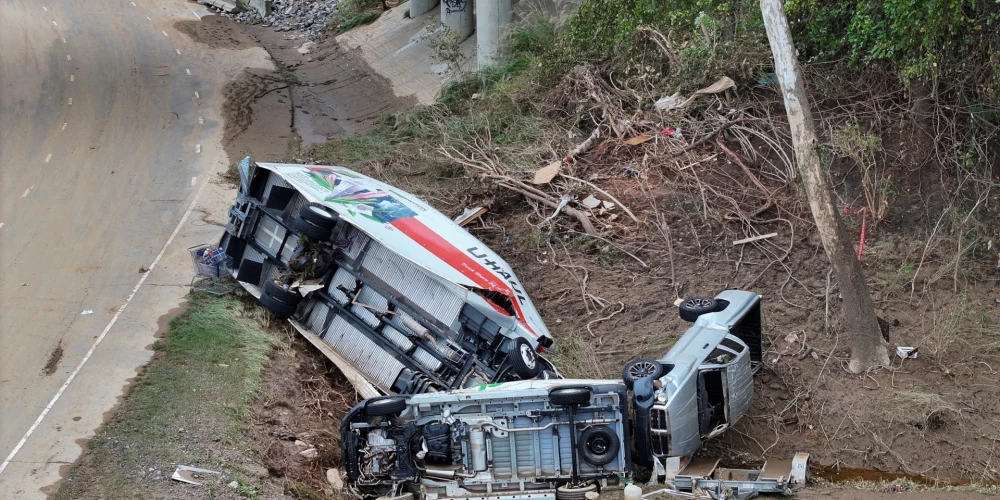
point(109, 130)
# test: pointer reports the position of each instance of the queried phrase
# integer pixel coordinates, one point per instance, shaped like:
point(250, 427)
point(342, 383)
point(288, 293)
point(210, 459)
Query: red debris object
point(863, 212)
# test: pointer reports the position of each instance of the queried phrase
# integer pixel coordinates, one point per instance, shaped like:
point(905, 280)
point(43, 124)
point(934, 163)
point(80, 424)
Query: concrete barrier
point(492, 19)
point(421, 7)
point(459, 15)
point(261, 6)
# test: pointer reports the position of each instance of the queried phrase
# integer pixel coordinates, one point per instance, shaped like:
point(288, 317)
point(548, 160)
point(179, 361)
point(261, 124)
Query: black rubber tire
point(383, 407)
point(641, 368)
point(319, 216)
point(567, 492)
point(641, 437)
point(309, 229)
point(277, 292)
point(599, 445)
point(692, 307)
point(281, 309)
point(524, 360)
point(570, 396)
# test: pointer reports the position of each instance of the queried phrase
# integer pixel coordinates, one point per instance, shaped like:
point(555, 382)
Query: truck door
point(739, 377)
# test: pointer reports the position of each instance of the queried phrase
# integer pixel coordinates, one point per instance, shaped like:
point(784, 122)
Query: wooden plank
point(360, 383)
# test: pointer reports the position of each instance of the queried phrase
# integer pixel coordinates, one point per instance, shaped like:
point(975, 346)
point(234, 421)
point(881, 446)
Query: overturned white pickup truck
point(409, 299)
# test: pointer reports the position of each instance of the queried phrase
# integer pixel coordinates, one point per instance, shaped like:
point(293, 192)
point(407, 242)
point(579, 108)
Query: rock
point(234, 485)
point(333, 477)
point(301, 443)
point(774, 387)
point(592, 495)
point(309, 453)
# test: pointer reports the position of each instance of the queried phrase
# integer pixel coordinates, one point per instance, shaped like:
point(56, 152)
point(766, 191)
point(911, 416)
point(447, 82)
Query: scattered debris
point(309, 453)
point(469, 215)
point(907, 352)
point(639, 139)
point(545, 174)
point(191, 475)
point(676, 101)
point(309, 16)
point(591, 202)
point(754, 238)
point(87, 311)
point(143, 269)
point(234, 485)
point(333, 477)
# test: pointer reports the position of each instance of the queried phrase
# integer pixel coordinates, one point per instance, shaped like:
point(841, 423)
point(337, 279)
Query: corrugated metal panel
point(423, 357)
point(317, 318)
point(292, 210)
point(349, 240)
point(410, 281)
point(274, 180)
point(377, 364)
point(341, 278)
point(396, 337)
point(252, 254)
point(369, 297)
point(269, 272)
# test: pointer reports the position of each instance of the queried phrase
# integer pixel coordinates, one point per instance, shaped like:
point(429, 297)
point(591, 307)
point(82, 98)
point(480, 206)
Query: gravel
point(307, 16)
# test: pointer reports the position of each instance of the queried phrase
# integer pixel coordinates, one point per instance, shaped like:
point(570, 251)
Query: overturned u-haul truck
point(406, 297)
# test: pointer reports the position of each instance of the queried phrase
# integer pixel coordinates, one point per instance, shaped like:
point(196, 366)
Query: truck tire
point(599, 445)
point(641, 368)
point(570, 492)
point(385, 407)
point(570, 396)
point(641, 437)
point(319, 216)
point(280, 309)
point(692, 307)
point(278, 292)
point(309, 229)
point(524, 360)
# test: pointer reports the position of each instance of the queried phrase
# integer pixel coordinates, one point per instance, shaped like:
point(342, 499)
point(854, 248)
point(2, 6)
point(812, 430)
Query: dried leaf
point(639, 139)
point(545, 174)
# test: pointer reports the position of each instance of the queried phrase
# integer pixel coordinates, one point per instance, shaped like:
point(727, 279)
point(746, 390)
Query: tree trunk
point(868, 348)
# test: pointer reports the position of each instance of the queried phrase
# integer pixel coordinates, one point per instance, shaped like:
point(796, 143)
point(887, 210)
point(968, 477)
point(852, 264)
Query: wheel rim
point(320, 211)
point(528, 356)
point(698, 303)
point(599, 445)
point(642, 369)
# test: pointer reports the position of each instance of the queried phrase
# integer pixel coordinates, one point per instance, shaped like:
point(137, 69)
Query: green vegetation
point(353, 13)
point(188, 406)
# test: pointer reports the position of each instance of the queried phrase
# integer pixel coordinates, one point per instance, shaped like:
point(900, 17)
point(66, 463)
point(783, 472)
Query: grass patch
point(353, 13)
point(188, 406)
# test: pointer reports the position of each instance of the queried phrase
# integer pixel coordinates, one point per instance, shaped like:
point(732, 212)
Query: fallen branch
point(621, 307)
point(755, 238)
point(582, 217)
point(605, 193)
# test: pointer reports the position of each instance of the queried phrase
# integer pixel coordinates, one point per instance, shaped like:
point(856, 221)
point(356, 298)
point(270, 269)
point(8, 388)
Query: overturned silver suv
point(386, 286)
point(531, 439)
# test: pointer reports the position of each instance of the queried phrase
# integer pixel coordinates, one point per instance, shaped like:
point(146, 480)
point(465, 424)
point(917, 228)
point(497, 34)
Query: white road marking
point(188, 71)
point(194, 181)
point(201, 120)
point(148, 18)
point(178, 51)
point(72, 78)
point(26, 191)
point(70, 101)
point(196, 95)
point(49, 157)
point(133, 3)
point(197, 148)
point(196, 14)
point(164, 33)
point(103, 334)
point(69, 57)
point(63, 127)
point(55, 23)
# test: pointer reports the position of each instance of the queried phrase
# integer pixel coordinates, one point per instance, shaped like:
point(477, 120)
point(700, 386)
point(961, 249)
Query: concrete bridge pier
point(492, 19)
point(459, 15)
point(421, 7)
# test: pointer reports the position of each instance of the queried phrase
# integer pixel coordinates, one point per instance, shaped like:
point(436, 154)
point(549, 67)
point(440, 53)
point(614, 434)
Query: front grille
point(659, 431)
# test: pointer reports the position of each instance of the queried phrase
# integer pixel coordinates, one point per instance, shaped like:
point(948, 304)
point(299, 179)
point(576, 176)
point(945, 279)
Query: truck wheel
point(385, 407)
point(599, 445)
point(570, 396)
point(569, 492)
point(524, 360)
point(641, 436)
point(692, 307)
point(309, 229)
point(281, 309)
point(319, 216)
point(278, 292)
point(641, 368)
